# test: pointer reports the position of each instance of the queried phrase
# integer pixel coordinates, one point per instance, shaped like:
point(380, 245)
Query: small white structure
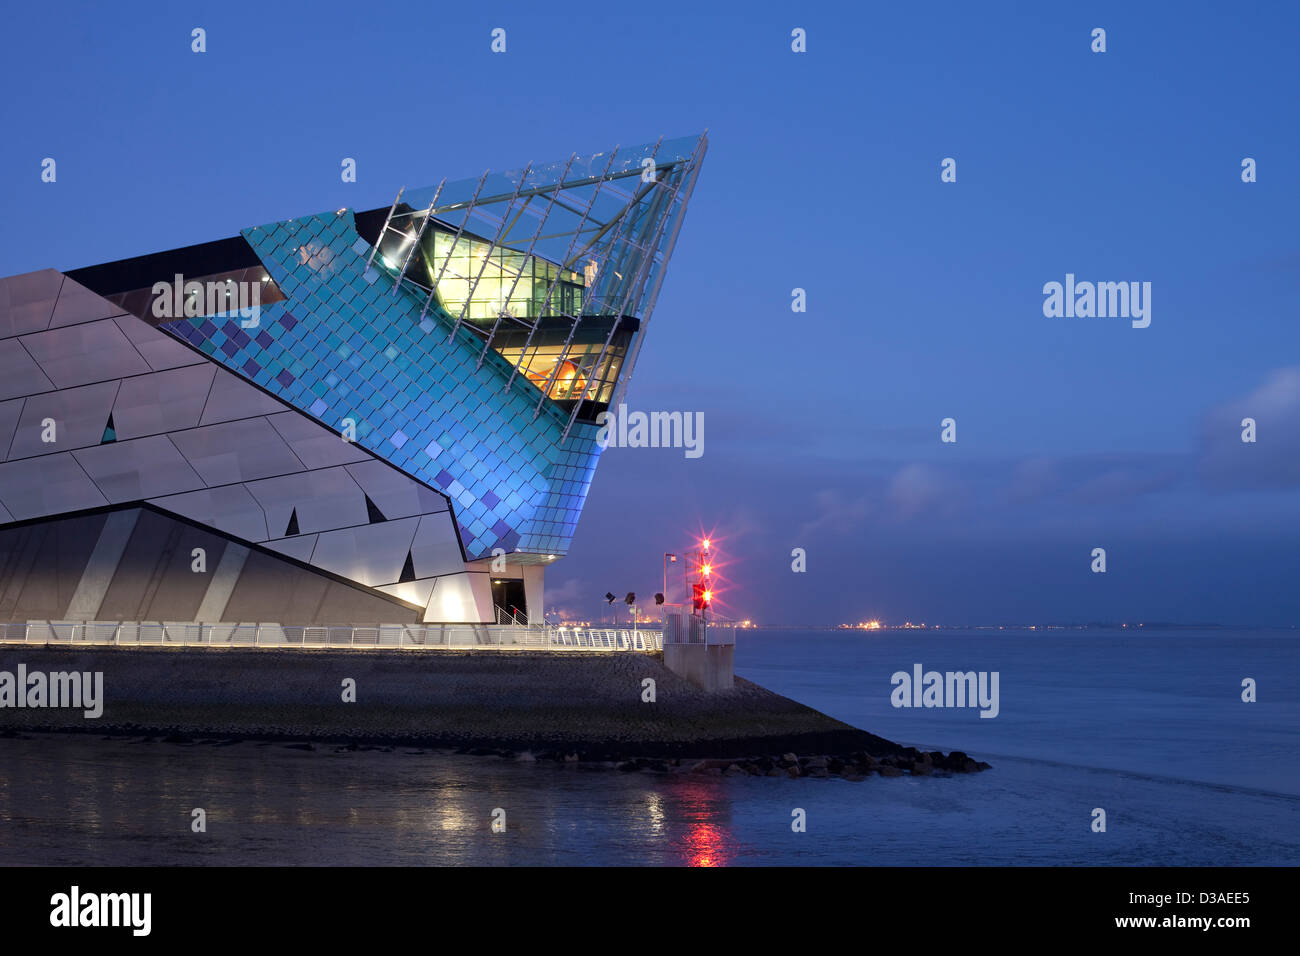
point(703, 653)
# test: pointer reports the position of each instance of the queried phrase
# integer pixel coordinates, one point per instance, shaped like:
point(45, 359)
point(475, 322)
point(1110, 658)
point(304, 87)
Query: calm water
point(1147, 725)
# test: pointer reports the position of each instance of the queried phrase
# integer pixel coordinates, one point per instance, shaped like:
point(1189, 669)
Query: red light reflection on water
point(705, 845)
point(702, 809)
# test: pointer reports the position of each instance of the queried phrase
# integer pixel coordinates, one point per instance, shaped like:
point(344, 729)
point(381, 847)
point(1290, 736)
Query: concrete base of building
point(710, 667)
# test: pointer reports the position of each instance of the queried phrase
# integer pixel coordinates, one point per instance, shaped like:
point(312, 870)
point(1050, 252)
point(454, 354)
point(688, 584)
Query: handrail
point(545, 637)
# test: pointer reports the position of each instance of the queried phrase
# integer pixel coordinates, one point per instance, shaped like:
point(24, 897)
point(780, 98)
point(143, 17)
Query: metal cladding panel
point(435, 550)
point(318, 447)
point(79, 416)
point(138, 469)
point(19, 373)
point(453, 600)
point(393, 493)
point(9, 415)
point(372, 554)
point(27, 301)
point(342, 347)
point(270, 588)
point(299, 546)
point(237, 451)
point(60, 552)
point(323, 500)
point(154, 579)
point(78, 304)
point(162, 402)
point(412, 592)
point(80, 354)
point(232, 399)
point(230, 508)
point(47, 485)
point(161, 351)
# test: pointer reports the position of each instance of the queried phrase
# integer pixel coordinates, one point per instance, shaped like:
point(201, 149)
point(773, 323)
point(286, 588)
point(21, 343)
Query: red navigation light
point(708, 569)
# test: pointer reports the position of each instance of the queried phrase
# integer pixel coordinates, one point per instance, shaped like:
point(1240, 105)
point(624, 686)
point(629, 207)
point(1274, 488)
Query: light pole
point(667, 557)
point(703, 570)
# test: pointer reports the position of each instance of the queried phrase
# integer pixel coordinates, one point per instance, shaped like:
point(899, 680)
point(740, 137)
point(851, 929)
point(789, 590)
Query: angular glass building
point(352, 417)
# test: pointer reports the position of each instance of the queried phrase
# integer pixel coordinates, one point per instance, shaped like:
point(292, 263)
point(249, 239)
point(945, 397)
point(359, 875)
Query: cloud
point(834, 510)
point(1272, 461)
point(1033, 478)
point(1118, 484)
point(920, 489)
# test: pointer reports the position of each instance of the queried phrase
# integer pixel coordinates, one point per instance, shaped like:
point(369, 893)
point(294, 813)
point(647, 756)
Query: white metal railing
point(411, 636)
point(505, 617)
point(682, 627)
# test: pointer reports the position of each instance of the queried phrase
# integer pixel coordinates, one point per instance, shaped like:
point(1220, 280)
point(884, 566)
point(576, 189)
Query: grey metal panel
point(230, 509)
point(93, 352)
point(271, 588)
point(299, 546)
point(138, 469)
point(222, 585)
point(47, 485)
point(27, 301)
point(79, 415)
point(316, 445)
point(9, 413)
point(19, 375)
point(162, 402)
point(454, 599)
point(78, 304)
point(237, 451)
point(395, 494)
point(436, 549)
point(412, 592)
point(160, 350)
point(233, 398)
point(104, 559)
point(44, 561)
point(156, 580)
point(323, 500)
point(372, 554)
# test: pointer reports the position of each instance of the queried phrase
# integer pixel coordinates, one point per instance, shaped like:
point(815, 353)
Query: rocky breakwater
point(857, 765)
point(853, 766)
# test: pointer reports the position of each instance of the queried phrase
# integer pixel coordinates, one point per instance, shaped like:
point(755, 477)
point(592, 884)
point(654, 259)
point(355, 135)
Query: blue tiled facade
point(342, 346)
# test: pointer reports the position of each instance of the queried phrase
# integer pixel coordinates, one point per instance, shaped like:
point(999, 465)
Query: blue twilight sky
point(924, 298)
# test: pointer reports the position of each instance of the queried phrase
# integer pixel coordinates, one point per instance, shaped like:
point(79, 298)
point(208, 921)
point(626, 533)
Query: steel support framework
point(632, 245)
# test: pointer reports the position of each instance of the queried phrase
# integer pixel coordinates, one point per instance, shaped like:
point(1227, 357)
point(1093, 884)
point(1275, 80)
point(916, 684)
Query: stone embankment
point(623, 710)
